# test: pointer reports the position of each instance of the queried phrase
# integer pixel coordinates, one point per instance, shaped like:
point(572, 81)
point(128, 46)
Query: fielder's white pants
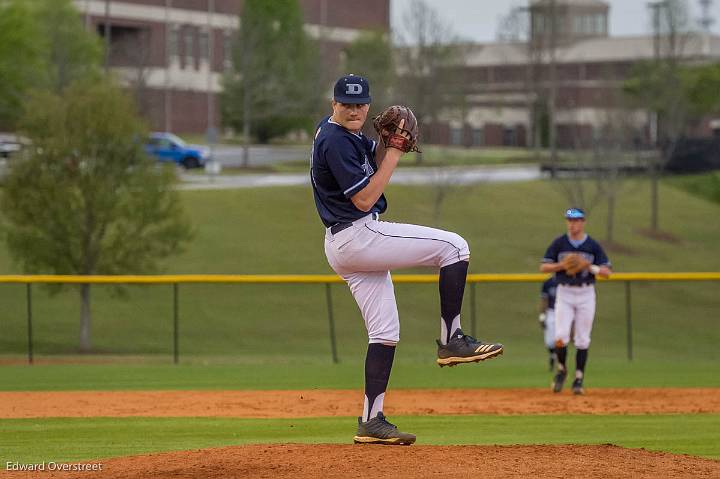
point(574, 304)
point(365, 253)
point(550, 328)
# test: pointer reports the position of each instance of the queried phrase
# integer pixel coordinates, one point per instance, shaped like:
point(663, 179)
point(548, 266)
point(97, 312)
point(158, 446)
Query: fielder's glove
point(574, 263)
point(398, 128)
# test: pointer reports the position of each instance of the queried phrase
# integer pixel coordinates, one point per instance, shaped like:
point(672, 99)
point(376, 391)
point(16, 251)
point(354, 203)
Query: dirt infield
point(331, 461)
point(342, 461)
point(331, 402)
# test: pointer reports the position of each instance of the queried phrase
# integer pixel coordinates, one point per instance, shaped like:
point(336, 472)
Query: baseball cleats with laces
point(558, 381)
point(577, 387)
point(379, 431)
point(462, 348)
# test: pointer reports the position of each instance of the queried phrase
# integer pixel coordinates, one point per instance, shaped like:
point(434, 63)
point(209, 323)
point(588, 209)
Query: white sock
point(579, 374)
point(443, 328)
point(376, 407)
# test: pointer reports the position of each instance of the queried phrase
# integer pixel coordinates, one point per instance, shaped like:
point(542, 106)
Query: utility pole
point(107, 35)
point(553, 86)
point(656, 8)
point(706, 20)
point(168, 63)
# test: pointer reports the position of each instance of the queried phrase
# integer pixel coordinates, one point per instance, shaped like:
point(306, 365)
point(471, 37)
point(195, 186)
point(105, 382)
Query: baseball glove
point(398, 128)
point(574, 263)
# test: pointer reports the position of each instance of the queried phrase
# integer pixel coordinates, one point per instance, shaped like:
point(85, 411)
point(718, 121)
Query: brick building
point(172, 53)
point(508, 84)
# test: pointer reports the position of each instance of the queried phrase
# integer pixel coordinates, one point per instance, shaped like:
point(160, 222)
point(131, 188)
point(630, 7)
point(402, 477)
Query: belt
point(581, 285)
point(336, 228)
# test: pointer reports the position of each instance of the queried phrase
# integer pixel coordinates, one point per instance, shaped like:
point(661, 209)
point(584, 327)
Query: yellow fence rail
point(327, 280)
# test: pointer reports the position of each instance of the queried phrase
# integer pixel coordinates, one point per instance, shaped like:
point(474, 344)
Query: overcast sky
point(478, 19)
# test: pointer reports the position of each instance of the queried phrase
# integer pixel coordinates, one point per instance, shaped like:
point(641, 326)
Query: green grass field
point(31, 440)
point(276, 230)
point(276, 337)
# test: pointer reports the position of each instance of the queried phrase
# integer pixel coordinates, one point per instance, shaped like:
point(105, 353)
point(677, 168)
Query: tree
point(429, 60)
point(657, 86)
point(71, 52)
point(21, 61)
point(701, 84)
point(86, 199)
point(370, 55)
point(42, 45)
point(272, 87)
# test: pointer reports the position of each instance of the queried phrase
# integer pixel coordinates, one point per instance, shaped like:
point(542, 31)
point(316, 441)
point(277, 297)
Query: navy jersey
point(588, 249)
point(341, 165)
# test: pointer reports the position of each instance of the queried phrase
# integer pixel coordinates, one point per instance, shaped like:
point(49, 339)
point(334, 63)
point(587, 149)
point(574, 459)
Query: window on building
point(578, 24)
point(509, 137)
point(203, 45)
point(188, 44)
point(227, 49)
point(456, 136)
point(478, 137)
point(539, 23)
point(599, 24)
point(174, 42)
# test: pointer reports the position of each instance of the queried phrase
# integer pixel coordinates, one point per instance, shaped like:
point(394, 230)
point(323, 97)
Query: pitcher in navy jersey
point(349, 177)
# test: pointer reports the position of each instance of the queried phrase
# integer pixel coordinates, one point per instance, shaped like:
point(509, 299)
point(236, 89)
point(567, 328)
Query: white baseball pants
point(550, 328)
point(574, 304)
point(365, 253)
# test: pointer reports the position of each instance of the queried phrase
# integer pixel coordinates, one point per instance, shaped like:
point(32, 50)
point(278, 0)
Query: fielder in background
point(547, 317)
point(576, 259)
point(349, 174)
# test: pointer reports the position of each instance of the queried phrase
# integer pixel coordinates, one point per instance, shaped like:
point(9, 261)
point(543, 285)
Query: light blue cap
point(575, 214)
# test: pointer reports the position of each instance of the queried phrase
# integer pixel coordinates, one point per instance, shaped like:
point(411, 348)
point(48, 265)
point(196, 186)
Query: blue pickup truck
point(167, 147)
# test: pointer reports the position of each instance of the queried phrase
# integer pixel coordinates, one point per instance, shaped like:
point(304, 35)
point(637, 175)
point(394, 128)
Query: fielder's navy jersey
point(548, 291)
point(588, 249)
point(341, 165)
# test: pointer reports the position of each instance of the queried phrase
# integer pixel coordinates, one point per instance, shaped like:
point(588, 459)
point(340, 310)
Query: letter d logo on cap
point(353, 89)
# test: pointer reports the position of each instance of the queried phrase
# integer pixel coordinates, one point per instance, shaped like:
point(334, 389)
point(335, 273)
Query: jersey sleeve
point(551, 255)
point(346, 165)
point(601, 258)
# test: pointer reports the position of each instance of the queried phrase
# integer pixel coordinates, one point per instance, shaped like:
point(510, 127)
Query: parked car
point(167, 147)
point(11, 144)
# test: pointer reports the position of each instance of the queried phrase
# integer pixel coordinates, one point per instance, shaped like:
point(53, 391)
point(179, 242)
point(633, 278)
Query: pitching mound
point(342, 461)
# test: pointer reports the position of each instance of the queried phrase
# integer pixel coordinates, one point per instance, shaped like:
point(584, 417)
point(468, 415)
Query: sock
point(378, 364)
point(561, 356)
point(580, 360)
point(452, 288)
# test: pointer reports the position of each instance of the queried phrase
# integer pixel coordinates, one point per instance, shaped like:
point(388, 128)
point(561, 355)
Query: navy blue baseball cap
point(352, 89)
point(575, 214)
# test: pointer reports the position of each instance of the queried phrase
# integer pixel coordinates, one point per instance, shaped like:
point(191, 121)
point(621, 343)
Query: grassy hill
point(276, 230)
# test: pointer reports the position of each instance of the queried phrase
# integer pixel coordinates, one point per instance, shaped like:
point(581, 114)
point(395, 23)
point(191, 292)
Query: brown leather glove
point(573, 263)
point(398, 128)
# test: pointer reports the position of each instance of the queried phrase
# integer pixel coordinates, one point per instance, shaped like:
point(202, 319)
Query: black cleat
point(558, 381)
point(465, 349)
point(577, 387)
point(379, 431)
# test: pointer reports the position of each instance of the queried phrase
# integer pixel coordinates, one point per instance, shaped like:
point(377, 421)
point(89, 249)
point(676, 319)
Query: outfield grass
point(705, 185)
point(276, 230)
point(33, 441)
point(407, 373)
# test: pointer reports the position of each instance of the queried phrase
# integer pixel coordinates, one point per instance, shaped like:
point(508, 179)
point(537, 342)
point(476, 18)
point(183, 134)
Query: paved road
point(402, 176)
point(231, 156)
